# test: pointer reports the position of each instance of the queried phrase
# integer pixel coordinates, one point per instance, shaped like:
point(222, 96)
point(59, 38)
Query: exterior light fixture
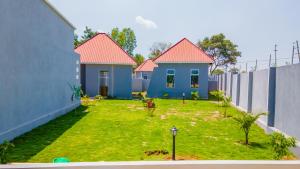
point(174, 133)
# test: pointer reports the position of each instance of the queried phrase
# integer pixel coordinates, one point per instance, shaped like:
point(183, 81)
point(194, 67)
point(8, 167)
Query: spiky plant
point(245, 121)
point(4, 147)
point(226, 103)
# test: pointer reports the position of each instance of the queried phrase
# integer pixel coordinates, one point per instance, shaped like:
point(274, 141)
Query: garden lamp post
point(183, 97)
point(174, 132)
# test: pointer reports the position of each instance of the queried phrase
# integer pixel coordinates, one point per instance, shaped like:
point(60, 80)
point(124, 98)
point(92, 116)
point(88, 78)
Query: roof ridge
point(88, 40)
point(168, 49)
point(198, 48)
point(119, 47)
point(139, 67)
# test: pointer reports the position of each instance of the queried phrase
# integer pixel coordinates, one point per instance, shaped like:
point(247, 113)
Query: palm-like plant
point(4, 147)
point(226, 104)
point(245, 121)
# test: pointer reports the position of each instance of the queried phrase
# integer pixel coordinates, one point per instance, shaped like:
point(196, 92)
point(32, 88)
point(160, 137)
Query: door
point(104, 83)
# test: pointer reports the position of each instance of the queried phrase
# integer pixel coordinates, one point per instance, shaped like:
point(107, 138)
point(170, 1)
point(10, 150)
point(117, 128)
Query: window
point(145, 76)
point(194, 78)
point(170, 78)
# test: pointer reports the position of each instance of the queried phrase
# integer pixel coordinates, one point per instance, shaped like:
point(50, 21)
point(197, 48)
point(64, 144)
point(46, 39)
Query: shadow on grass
point(34, 141)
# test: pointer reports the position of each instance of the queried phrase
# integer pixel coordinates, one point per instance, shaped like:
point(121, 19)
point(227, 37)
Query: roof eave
point(59, 14)
point(102, 63)
point(182, 62)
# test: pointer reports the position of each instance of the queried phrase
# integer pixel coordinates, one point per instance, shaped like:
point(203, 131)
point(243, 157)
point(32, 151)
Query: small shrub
point(98, 97)
point(217, 94)
point(226, 104)
point(195, 95)
point(165, 95)
point(4, 147)
point(281, 144)
point(246, 121)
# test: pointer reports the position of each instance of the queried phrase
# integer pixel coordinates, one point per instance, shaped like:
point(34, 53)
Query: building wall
point(287, 100)
point(120, 80)
point(37, 65)
point(260, 93)
point(140, 74)
point(182, 80)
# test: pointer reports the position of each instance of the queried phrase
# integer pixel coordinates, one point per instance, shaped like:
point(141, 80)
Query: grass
point(122, 130)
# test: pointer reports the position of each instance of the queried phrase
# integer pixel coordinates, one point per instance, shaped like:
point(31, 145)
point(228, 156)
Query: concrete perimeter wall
point(37, 66)
point(260, 93)
point(244, 87)
point(275, 91)
point(287, 100)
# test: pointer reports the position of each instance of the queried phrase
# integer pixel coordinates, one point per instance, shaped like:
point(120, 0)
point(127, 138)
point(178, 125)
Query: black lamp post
point(174, 132)
point(183, 97)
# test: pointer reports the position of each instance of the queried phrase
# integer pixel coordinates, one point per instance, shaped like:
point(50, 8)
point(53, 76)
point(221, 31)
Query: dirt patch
point(156, 152)
point(213, 116)
point(163, 117)
point(182, 158)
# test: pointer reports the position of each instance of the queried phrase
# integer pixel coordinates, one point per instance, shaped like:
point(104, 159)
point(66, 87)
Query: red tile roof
point(184, 51)
point(101, 49)
point(147, 66)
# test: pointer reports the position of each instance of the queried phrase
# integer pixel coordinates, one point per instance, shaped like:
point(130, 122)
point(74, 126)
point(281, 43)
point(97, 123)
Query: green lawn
point(122, 130)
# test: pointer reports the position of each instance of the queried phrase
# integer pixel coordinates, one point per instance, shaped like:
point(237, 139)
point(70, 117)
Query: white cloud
point(145, 22)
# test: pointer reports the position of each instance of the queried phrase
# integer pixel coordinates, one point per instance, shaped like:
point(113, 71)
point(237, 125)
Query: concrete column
point(250, 90)
point(271, 97)
point(238, 89)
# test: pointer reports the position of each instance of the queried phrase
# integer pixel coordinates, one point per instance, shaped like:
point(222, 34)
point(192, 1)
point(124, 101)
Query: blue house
point(183, 68)
point(106, 69)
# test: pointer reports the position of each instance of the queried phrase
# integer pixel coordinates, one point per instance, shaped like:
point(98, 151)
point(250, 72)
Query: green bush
point(217, 94)
point(4, 147)
point(281, 144)
point(195, 95)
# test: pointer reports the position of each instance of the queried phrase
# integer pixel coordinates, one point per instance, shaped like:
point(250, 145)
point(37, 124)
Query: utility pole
point(275, 55)
point(298, 50)
point(270, 60)
point(246, 67)
point(293, 53)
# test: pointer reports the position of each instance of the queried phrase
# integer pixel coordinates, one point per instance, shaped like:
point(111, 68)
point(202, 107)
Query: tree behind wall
point(125, 38)
point(158, 48)
point(223, 51)
point(88, 33)
point(139, 59)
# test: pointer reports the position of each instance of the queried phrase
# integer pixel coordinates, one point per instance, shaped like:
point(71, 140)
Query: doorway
point(104, 83)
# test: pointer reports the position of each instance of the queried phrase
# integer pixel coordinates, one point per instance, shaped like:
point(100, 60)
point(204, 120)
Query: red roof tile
point(147, 66)
point(101, 49)
point(184, 51)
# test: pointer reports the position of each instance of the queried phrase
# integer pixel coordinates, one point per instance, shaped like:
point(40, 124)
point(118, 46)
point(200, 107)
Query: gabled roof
point(101, 49)
point(147, 66)
point(184, 51)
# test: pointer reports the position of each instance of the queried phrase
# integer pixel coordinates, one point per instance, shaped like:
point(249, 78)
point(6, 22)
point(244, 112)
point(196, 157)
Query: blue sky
point(254, 25)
